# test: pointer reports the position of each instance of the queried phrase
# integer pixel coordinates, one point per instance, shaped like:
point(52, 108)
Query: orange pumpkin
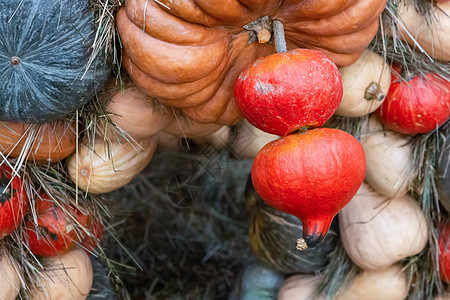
point(47, 142)
point(188, 53)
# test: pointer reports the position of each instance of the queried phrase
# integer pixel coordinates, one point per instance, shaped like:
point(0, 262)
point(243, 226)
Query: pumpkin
point(109, 166)
point(378, 231)
point(417, 104)
point(444, 251)
point(390, 283)
point(218, 139)
point(95, 234)
point(134, 112)
point(302, 175)
point(42, 143)
point(13, 201)
point(365, 84)
point(431, 32)
point(443, 174)
point(271, 235)
point(168, 142)
point(68, 276)
point(248, 140)
point(185, 128)
point(9, 276)
point(40, 81)
point(388, 160)
point(55, 231)
point(188, 54)
point(288, 91)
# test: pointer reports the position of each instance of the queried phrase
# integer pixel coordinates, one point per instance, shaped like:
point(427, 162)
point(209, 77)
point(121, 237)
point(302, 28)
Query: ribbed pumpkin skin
point(52, 40)
point(272, 238)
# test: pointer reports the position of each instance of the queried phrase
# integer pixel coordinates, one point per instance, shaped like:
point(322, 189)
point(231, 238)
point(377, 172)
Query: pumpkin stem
point(301, 244)
point(15, 60)
point(280, 40)
point(262, 28)
point(314, 231)
point(373, 91)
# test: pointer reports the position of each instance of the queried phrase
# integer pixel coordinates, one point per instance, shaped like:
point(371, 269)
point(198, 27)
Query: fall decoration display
point(188, 54)
point(302, 175)
point(431, 36)
point(365, 84)
point(443, 174)
point(289, 91)
point(13, 201)
point(185, 128)
point(378, 231)
point(388, 159)
point(272, 233)
point(416, 104)
point(444, 251)
point(68, 276)
point(9, 276)
point(44, 52)
point(109, 166)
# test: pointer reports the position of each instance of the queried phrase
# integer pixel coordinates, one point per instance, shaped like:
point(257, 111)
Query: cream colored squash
point(249, 140)
point(182, 127)
point(218, 139)
point(10, 277)
point(378, 231)
point(366, 83)
point(68, 277)
point(108, 168)
point(168, 142)
point(387, 284)
point(433, 39)
point(388, 160)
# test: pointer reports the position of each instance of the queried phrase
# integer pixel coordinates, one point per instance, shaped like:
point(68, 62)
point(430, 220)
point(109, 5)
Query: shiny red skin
point(311, 175)
point(287, 91)
point(58, 234)
point(444, 252)
point(90, 242)
point(12, 206)
point(416, 106)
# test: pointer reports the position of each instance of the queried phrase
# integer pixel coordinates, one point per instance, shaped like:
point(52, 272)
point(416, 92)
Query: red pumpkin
point(418, 105)
point(96, 229)
point(288, 91)
point(56, 232)
point(13, 201)
point(311, 175)
point(444, 252)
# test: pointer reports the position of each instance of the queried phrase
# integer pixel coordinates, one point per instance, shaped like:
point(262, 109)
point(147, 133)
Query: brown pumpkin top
point(188, 53)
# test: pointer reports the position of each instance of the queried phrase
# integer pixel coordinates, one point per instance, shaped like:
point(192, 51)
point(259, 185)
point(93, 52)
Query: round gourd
point(443, 174)
point(9, 276)
point(248, 140)
point(168, 142)
point(50, 142)
point(430, 32)
point(390, 283)
point(302, 175)
point(388, 160)
point(65, 277)
point(109, 166)
point(218, 139)
point(378, 231)
point(365, 83)
point(45, 48)
point(188, 54)
point(185, 128)
point(272, 236)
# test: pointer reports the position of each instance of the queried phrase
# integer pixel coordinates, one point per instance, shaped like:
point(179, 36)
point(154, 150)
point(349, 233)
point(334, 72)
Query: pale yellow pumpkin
point(183, 127)
point(67, 277)
point(365, 83)
point(218, 139)
point(10, 277)
point(378, 231)
point(109, 166)
point(388, 159)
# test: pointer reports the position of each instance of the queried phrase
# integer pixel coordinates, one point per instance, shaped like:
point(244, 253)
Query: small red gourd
point(418, 105)
point(311, 175)
point(13, 201)
point(444, 252)
point(287, 91)
point(56, 233)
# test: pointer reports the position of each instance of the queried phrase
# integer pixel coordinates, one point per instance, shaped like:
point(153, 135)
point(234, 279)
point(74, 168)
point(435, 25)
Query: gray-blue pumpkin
point(44, 49)
point(273, 236)
point(443, 174)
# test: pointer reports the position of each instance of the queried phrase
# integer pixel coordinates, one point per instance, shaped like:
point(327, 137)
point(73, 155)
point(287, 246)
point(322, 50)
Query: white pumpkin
point(168, 142)
point(218, 139)
point(185, 128)
point(388, 159)
point(109, 166)
point(378, 231)
point(365, 83)
point(10, 277)
point(66, 277)
point(433, 39)
point(387, 284)
point(249, 140)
